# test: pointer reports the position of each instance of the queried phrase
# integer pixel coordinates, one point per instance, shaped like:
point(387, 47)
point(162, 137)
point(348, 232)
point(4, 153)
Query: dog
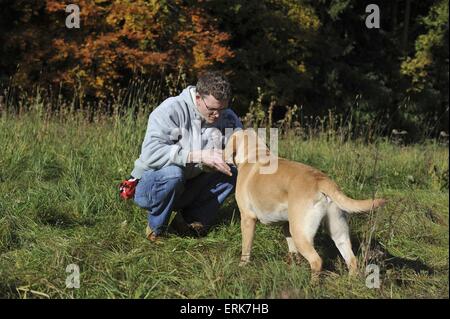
point(296, 195)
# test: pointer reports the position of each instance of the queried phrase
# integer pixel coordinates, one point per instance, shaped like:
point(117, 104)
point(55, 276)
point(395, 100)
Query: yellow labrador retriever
point(296, 195)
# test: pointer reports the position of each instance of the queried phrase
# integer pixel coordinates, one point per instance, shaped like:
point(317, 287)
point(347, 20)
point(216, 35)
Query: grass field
point(59, 205)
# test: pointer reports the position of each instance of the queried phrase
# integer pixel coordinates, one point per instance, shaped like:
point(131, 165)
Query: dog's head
point(245, 146)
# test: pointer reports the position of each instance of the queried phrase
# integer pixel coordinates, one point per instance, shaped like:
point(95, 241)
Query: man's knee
point(172, 173)
point(155, 186)
point(168, 180)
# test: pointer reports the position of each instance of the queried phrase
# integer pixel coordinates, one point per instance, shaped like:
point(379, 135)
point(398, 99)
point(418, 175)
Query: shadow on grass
point(377, 255)
point(61, 218)
point(228, 213)
point(8, 290)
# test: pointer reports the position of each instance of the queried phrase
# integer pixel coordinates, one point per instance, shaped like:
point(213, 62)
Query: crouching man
point(181, 166)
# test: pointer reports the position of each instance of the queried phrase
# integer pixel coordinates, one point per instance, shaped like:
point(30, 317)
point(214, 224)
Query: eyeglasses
point(211, 109)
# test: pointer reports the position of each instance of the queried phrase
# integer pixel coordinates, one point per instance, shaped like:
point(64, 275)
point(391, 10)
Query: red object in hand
point(127, 188)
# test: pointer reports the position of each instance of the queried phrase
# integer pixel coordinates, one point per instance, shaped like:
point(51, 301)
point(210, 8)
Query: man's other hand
point(212, 158)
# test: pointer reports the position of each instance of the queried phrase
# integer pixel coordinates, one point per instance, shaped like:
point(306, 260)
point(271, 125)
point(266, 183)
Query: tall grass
point(59, 205)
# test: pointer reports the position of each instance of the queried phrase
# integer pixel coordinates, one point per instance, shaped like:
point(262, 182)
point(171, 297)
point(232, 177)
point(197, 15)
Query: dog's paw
point(353, 267)
point(244, 261)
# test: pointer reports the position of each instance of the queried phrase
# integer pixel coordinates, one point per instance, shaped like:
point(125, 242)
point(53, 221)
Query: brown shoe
point(198, 229)
point(150, 234)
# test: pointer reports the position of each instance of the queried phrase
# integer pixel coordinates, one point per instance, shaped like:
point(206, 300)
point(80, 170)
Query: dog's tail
point(348, 204)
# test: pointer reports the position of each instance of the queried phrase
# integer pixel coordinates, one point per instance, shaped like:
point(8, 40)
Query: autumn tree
point(317, 54)
point(117, 39)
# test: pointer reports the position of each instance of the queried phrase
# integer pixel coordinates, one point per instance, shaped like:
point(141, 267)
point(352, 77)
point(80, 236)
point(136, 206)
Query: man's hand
point(212, 158)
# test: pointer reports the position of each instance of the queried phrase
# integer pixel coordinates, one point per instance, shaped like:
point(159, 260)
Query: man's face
point(209, 107)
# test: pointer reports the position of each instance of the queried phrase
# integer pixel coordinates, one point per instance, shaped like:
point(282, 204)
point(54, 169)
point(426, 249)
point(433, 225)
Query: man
point(181, 166)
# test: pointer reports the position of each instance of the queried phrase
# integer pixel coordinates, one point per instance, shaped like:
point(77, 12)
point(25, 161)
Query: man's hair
point(214, 83)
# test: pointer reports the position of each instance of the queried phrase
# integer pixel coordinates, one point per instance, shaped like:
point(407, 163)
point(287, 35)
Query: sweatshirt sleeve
point(159, 148)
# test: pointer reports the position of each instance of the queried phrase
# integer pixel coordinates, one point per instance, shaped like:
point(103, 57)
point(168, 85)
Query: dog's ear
point(246, 146)
point(256, 150)
point(263, 155)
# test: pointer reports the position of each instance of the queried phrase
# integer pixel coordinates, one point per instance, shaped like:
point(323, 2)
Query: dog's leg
point(339, 232)
point(293, 255)
point(304, 220)
point(248, 225)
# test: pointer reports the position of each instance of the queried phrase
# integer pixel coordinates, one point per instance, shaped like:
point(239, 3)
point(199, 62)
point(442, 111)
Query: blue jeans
point(199, 198)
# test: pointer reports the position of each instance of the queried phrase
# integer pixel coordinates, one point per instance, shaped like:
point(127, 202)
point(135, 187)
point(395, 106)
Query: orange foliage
point(117, 38)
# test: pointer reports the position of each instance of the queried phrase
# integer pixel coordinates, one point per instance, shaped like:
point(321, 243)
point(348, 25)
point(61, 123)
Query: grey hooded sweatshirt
point(176, 128)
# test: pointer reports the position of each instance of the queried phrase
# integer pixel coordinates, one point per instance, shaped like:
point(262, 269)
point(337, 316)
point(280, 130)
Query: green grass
point(59, 205)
